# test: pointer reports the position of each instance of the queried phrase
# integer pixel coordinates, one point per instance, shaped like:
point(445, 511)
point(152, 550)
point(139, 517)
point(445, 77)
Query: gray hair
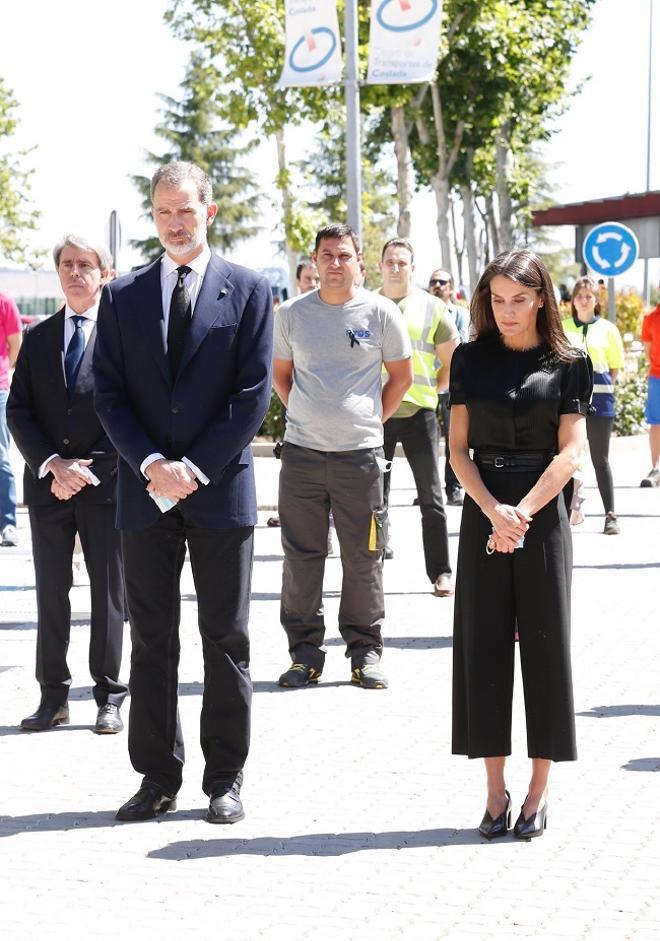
point(84, 245)
point(177, 172)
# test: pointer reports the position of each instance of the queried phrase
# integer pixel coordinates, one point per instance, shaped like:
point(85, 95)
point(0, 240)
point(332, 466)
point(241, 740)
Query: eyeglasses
point(441, 281)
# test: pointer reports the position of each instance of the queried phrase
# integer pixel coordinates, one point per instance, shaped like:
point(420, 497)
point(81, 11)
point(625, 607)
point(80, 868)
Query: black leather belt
point(513, 461)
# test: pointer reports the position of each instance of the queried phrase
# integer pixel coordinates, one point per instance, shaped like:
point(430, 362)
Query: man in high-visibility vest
point(434, 338)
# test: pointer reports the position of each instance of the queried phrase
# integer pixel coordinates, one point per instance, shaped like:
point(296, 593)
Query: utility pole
point(647, 294)
point(353, 149)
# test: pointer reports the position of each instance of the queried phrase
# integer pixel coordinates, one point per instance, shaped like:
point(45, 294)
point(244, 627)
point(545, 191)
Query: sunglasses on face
point(441, 281)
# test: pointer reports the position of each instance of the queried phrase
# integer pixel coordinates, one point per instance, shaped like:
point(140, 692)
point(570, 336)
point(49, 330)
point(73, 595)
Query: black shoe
point(299, 675)
point(499, 826)
point(226, 806)
point(455, 497)
point(533, 826)
point(367, 673)
point(388, 552)
point(47, 716)
point(108, 720)
point(147, 804)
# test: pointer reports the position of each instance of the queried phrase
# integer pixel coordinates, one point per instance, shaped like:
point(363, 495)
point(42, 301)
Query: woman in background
point(519, 395)
point(601, 340)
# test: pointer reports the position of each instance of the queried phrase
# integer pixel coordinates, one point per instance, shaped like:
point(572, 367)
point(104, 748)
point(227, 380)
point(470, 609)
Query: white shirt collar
point(91, 313)
point(198, 264)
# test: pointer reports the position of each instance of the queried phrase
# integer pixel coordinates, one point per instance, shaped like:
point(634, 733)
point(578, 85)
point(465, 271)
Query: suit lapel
point(210, 305)
point(53, 352)
point(149, 310)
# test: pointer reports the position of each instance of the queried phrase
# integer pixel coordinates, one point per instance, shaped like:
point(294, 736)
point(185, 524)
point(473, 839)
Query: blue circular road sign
point(610, 249)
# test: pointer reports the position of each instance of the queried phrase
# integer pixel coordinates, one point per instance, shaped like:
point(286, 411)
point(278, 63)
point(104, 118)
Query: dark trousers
point(529, 591)
point(451, 480)
point(419, 437)
point(599, 432)
point(312, 483)
point(54, 529)
point(221, 562)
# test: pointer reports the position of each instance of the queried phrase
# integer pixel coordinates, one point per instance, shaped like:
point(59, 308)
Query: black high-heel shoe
point(492, 828)
point(533, 826)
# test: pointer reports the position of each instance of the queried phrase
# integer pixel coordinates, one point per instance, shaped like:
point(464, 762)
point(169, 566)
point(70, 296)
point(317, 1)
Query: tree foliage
point(17, 216)
point(192, 129)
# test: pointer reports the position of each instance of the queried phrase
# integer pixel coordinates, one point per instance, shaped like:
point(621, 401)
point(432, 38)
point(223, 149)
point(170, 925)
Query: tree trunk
point(404, 176)
point(440, 179)
point(503, 159)
point(441, 190)
point(283, 183)
point(459, 250)
point(468, 224)
point(493, 225)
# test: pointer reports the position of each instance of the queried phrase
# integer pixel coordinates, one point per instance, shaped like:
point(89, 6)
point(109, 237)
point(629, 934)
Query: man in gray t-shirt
point(330, 349)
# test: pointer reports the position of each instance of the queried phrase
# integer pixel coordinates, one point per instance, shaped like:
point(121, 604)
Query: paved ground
point(360, 824)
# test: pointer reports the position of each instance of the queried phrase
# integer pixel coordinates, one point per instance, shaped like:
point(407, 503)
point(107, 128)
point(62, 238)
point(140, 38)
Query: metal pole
point(647, 295)
point(611, 301)
point(352, 87)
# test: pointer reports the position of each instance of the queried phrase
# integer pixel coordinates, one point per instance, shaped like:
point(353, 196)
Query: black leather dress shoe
point(47, 716)
point(226, 806)
point(108, 720)
point(534, 825)
point(492, 827)
point(147, 804)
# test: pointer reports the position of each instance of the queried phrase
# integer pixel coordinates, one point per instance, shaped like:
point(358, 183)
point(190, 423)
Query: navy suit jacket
point(213, 408)
point(45, 418)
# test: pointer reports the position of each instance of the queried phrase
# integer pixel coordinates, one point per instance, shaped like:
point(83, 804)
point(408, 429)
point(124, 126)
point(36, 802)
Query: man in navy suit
point(183, 380)
point(69, 486)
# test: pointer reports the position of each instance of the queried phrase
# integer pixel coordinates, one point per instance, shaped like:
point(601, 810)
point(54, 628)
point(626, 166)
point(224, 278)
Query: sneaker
point(388, 552)
point(652, 479)
point(9, 535)
point(443, 587)
point(367, 673)
point(455, 497)
point(299, 675)
point(332, 551)
point(611, 525)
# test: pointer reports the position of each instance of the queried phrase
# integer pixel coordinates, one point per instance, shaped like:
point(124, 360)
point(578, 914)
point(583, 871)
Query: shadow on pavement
point(613, 712)
point(404, 643)
point(621, 565)
point(642, 764)
point(319, 844)
point(17, 730)
point(83, 820)
point(268, 558)
point(32, 625)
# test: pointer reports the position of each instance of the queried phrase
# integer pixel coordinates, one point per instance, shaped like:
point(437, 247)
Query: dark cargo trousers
point(350, 483)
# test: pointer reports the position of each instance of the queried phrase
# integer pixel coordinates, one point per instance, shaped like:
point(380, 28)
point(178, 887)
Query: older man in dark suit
point(70, 487)
point(183, 378)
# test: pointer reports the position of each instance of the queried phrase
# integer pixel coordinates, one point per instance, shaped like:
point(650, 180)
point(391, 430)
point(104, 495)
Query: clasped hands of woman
point(510, 523)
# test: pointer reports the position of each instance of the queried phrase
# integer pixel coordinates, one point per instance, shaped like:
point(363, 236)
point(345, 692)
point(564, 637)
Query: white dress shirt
point(90, 315)
point(168, 279)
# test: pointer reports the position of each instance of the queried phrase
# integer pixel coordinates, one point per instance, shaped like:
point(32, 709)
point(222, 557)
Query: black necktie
point(74, 353)
point(180, 314)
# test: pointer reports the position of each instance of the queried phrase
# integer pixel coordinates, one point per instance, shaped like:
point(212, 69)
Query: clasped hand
point(510, 524)
point(68, 476)
point(171, 479)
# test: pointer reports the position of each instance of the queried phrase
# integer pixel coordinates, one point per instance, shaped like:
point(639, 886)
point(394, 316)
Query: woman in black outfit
point(519, 395)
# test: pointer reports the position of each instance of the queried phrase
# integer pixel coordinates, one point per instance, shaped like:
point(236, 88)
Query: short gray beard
point(186, 247)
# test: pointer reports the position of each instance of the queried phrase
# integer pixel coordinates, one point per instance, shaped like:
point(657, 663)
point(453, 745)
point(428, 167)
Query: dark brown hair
point(525, 268)
point(337, 230)
point(590, 285)
point(398, 243)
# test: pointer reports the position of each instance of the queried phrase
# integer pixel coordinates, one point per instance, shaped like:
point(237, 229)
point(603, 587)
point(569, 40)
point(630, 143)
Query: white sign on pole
point(313, 50)
point(403, 41)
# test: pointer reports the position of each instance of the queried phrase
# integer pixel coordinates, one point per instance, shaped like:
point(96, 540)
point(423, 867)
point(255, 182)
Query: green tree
point(246, 42)
point(17, 217)
point(192, 129)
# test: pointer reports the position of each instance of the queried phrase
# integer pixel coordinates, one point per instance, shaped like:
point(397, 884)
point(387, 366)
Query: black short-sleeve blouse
point(514, 397)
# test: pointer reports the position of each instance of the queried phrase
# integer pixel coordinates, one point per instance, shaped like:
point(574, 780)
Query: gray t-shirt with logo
point(338, 351)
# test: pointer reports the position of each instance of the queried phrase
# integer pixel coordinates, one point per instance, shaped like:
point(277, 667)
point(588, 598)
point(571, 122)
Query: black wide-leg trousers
point(54, 529)
point(527, 591)
point(221, 562)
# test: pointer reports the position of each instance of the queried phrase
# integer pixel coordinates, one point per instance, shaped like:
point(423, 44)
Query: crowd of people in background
point(135, 406)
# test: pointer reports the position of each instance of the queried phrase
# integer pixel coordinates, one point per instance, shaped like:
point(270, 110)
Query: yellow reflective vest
point(423, 314)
